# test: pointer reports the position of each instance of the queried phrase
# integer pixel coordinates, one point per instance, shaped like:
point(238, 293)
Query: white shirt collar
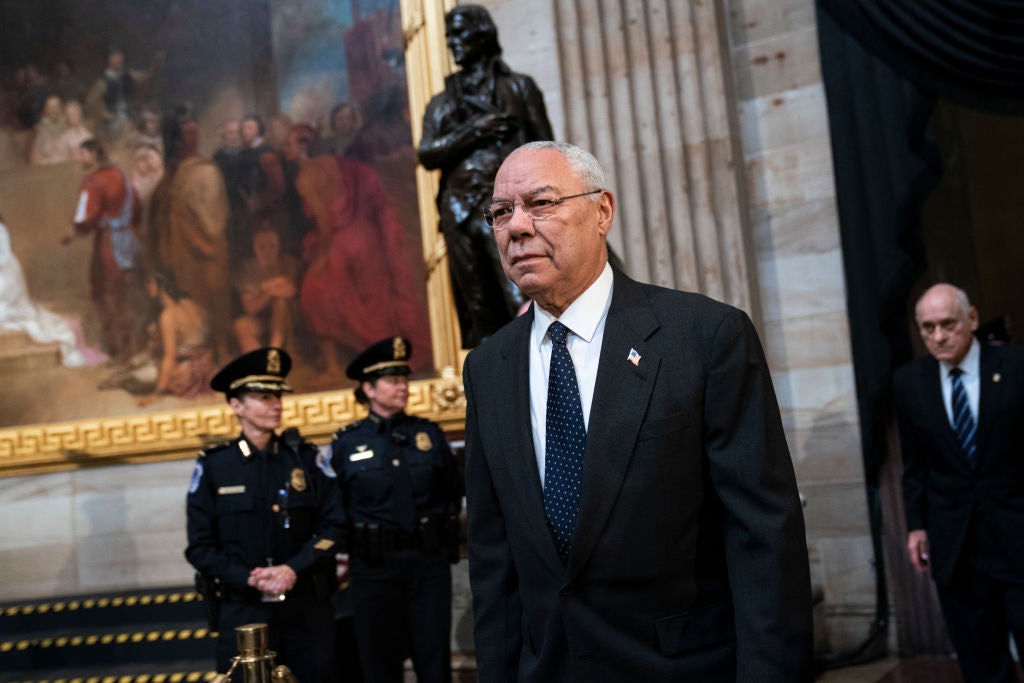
point(971, 363)
point(584, 314)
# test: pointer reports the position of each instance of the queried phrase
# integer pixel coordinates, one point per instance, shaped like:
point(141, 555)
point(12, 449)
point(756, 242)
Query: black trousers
point(983, 604)
point(403, 604)
point(300, 631)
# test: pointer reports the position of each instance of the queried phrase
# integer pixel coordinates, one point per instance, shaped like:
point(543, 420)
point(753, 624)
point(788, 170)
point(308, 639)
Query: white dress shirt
point(585, 318)
point(971, 379)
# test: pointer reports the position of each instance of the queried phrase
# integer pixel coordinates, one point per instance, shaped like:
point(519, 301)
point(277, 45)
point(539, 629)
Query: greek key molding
point(179, 434)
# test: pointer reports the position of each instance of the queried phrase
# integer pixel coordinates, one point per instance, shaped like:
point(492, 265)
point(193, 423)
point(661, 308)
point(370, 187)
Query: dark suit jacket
point(689, 560)
point(940, 491)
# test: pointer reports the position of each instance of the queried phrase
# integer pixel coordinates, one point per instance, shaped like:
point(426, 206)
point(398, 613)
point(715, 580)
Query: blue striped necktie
point(565, 438)
point(963, 421)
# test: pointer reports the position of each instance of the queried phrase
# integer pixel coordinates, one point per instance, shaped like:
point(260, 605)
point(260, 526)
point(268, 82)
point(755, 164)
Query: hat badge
point(398, 348)
point(273, 361)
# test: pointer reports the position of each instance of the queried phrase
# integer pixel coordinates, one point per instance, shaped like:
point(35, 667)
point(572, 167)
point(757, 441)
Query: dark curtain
point(968, 51)
point(885, 165)
point(884, 65)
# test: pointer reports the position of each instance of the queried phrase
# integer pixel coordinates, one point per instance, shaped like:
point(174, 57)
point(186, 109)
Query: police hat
point(259, 370)
point(387, 357)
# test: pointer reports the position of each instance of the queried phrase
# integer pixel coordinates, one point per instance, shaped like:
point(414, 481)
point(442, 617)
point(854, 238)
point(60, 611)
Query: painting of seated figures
point(181, 182)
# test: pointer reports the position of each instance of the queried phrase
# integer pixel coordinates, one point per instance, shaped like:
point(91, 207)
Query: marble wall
point(118, 528)
point(94, 530)
point(783, 125)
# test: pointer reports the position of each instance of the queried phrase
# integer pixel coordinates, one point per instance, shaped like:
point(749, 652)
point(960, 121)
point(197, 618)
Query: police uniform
point(249, 508)
point(401, 494)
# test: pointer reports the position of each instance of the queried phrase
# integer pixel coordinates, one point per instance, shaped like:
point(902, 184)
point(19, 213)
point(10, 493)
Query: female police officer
point(264, 524)
point(401, 493)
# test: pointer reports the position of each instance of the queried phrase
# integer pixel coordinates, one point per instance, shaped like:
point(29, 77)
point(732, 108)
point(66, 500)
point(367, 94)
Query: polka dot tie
point(565, 437)
point(963, 421)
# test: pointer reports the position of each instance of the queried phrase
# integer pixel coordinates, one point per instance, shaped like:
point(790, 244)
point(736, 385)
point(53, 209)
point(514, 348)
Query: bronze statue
point(484, 112)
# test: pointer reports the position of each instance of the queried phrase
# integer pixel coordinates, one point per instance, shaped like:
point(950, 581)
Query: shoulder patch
point(323, 461)
point(197, 476)
point(215, 447)
point(347, 428)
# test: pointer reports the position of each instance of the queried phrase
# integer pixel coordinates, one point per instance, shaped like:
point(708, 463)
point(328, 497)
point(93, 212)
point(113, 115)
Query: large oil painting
point(184, 180)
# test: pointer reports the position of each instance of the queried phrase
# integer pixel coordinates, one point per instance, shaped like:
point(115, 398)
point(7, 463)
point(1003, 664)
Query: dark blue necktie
point(963, 422)
point(565, 437)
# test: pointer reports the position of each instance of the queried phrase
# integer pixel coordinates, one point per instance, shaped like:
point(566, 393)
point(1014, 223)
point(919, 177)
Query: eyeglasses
point(499, 214)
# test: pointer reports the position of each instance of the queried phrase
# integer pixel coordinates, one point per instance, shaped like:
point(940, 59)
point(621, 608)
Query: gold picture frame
point(178, 434)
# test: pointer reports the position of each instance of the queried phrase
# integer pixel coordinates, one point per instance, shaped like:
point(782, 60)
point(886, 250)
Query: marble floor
point(889, 670)
point(893, 670)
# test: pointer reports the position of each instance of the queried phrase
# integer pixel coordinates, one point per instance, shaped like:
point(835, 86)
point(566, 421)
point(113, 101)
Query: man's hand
point(273, 580)
point(496, 125)
point(917, 546)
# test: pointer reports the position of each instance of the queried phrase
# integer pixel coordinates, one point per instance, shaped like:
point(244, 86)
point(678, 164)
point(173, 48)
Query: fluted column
point(644, 86)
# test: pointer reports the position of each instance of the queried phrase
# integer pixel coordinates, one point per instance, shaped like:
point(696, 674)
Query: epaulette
point(209, 450)
point(292, 438)
point(347, 428)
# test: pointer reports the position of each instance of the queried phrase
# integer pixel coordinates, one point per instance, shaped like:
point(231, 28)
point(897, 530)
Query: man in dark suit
point(636, 518)
point(961, 421)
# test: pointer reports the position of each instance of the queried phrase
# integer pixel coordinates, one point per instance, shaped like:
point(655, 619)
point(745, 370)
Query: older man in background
point(961, 421)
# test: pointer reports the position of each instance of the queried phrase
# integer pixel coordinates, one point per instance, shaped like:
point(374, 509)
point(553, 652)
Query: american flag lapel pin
point(633, 357)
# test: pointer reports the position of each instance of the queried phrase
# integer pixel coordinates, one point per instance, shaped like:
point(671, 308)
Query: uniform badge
point(398, 348)
point(323, 461)
point(197, 476)
point(243, 446)
point(360, 455)
point(298, 480)
point(423, 441)
point(273, 362)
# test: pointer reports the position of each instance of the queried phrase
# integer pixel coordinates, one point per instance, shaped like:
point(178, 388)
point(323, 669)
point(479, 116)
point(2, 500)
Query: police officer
point(264, 523)
point(401, 491)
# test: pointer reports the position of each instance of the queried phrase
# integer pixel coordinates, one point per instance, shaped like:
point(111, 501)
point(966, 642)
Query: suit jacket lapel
point(621, 395)
point(990, 385)
point(517, 434)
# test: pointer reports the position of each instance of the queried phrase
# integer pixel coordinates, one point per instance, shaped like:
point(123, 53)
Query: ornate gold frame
point(178, 434)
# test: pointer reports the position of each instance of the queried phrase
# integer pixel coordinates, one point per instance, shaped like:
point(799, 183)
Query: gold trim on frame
point(179, 434)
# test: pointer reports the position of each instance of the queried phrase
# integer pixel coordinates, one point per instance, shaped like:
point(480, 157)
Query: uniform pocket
point(234, 513)
point(369, 481)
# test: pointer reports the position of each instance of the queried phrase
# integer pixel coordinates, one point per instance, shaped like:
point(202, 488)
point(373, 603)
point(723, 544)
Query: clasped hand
point(272, 580)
